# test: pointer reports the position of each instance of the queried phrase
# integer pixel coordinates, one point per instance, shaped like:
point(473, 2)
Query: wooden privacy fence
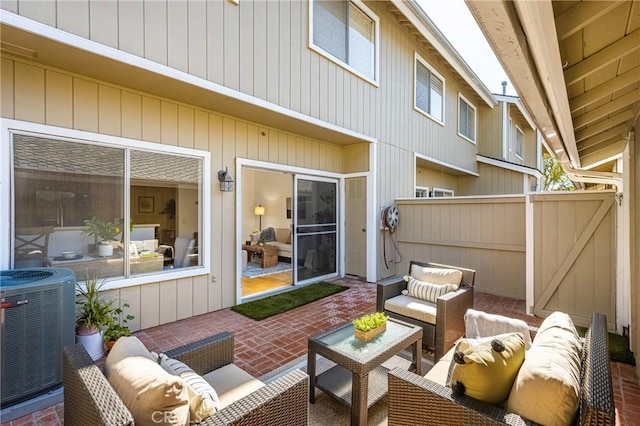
point(555, 250)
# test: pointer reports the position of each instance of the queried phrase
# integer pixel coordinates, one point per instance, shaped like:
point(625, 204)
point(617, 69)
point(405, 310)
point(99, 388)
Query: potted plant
point(93, 314)
point(104, 234)
point(117, 326)
point(369, 326)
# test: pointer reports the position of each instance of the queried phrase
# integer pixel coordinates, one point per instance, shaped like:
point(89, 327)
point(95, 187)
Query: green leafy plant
point(94, 310)
point(117, 326)
point(370, 321)
point(102, 230)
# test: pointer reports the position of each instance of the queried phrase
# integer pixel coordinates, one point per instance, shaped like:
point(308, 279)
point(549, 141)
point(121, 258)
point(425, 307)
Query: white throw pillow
point(437, 275)
point(425, 290)
point(481, 324)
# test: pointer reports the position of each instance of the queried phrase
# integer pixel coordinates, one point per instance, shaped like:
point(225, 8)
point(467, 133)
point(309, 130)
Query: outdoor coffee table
point(359, 379)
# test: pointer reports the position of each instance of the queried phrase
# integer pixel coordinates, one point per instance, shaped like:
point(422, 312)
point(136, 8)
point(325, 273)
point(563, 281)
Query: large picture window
point(110, 210)
point(346, 31)
point(429, 90)
point(466, 119)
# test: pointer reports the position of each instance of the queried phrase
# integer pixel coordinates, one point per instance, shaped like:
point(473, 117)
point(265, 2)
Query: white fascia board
point(509, 166)
point(63, 37)
point(419, 19)
point(518, 103)
point(447, 165)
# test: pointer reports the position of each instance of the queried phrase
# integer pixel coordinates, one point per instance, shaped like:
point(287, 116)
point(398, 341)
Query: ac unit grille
point(36, 326)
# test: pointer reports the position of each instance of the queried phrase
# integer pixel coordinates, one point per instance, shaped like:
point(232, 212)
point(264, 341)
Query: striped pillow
point(203, 399)
point(425, 290)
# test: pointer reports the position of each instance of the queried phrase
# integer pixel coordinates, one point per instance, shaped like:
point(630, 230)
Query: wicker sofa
point(417, 400)
point(89, 399)
point(450, 308)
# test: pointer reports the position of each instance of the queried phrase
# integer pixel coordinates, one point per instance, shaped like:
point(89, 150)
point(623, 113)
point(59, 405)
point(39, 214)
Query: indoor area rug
point(255, 270)
point(327, 410)
point(282, 302)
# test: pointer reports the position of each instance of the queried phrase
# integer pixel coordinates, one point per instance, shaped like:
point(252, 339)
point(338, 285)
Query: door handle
point(364, 229)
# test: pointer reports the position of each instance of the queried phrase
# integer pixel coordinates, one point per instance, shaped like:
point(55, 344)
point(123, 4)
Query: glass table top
point(343, 340)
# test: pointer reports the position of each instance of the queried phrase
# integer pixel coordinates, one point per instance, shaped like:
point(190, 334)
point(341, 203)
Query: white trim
point(9, 126)
point(529, 256)
point(445, 164)
point(461, 97)
point(422, 188)
point(518, 103)
point(339, 62)
point(515, 148)
point(80, 43)
point(506, 128)
point(508, 166)
point(442, 190)
point(418, 58)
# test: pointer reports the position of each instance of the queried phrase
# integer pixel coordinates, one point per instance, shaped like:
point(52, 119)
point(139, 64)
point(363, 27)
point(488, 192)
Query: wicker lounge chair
point(450, 308)
point(89, 399)
point(417, 400)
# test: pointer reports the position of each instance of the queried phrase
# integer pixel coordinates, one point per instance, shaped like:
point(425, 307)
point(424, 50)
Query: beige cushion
point(153, 396)
point(412, 307)
point(439, 373)
point(232, 383)
point(283, 235)
point(546, 388)
point(486, 372)
point(425, 290)
point(203, 399)
point(479, 324)
point(124, 347)
point(436, 275)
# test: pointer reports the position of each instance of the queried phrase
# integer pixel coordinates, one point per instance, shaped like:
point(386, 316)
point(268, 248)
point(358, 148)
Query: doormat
point(255, 270)
point(273, 305)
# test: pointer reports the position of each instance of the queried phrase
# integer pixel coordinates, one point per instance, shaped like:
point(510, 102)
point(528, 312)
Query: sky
point(457, 24)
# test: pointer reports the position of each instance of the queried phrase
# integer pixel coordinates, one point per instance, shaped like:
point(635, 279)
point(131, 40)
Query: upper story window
point(109, 209)
point(466, 119)
point(518, 142)
point(429, 90)
point(347, 33)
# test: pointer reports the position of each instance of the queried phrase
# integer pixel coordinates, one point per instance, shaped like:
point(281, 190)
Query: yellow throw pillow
point(153, 396)
point(486, 370)
point(546, 387)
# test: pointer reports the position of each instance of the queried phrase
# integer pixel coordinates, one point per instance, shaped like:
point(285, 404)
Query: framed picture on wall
point(288, 207)
point(145, 205)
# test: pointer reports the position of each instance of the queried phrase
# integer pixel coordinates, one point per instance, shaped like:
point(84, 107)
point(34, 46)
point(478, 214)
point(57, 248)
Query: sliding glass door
point(315, 229)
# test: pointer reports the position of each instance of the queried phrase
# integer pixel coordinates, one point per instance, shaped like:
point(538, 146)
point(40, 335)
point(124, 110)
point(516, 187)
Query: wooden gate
point(574, 254)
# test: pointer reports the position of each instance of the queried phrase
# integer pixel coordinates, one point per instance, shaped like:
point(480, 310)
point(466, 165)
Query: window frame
point(424, 189)
point(518, 145)
point(376, 51)
point(445, 192)
point(462, 98)
point(9, 128)
point(418, 58)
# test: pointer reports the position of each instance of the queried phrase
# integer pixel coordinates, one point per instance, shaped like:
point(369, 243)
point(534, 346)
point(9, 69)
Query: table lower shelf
point(337, 382)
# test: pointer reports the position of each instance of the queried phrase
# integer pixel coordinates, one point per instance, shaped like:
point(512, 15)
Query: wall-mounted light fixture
point(226, 181)
point(259, 211)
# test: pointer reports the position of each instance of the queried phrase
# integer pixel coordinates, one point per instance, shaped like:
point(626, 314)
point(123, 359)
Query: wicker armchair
point(450, 308)
point(89, 399)
point(417, 400)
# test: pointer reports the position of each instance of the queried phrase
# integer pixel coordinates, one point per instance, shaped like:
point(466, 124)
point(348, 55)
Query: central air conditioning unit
point(37, 319)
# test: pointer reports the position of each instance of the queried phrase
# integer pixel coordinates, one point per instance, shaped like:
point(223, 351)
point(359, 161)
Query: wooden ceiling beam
point(606, 109)
point(623, 47)
point(604, 125)
point(613, 133)
point(603, 150)
point(605, 89)
point(581, 15)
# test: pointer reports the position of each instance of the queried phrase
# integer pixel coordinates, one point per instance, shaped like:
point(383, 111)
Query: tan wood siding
point(490, 127)
point(486, 234)
point(436, 179)
point(574, 254)
point(55, 97)
point(492, 181)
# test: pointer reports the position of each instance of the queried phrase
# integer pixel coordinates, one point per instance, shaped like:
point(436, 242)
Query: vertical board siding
point(485, 234)
point(492, 181)
point(490, 131)
point(62, 99)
